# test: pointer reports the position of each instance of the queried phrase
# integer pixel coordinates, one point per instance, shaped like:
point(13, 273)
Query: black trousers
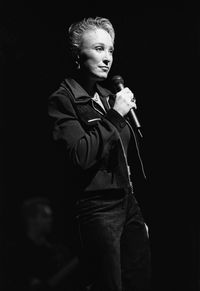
point(115, 250)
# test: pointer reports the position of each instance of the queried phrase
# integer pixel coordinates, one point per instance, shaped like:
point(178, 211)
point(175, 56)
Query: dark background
point(157, 54)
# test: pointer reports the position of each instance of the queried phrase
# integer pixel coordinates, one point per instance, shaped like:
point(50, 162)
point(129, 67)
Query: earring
point(77, 62)
point(77, 65)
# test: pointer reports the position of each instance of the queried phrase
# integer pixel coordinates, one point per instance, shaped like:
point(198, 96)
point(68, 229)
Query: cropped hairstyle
point(77, 29)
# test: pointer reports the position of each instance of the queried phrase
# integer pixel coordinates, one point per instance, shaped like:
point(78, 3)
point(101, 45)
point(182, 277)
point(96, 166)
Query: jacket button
point(122, 124)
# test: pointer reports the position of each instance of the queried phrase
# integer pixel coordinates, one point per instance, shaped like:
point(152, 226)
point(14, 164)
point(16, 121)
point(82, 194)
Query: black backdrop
point(157, 55)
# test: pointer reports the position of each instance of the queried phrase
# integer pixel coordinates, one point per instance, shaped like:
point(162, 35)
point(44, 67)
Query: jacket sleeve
point(84, 147)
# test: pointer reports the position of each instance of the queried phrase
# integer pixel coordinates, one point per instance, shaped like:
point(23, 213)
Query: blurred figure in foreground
point(43, 262)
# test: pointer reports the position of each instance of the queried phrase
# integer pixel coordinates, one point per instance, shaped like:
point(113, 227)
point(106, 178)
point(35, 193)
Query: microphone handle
point(132, 112)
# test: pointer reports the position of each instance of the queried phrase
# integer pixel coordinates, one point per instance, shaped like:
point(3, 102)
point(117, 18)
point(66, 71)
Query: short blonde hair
point(77, 29)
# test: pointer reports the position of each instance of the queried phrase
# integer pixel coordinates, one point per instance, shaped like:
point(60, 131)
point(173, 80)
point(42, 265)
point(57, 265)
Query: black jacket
point(89, 140)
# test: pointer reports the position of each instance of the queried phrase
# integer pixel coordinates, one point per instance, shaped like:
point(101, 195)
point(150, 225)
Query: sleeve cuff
point(116, 119)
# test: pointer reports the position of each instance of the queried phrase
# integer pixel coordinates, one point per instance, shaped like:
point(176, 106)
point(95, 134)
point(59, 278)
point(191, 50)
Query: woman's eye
point(99, 48)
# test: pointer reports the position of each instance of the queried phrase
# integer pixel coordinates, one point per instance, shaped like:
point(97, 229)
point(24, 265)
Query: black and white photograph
point(99, 119)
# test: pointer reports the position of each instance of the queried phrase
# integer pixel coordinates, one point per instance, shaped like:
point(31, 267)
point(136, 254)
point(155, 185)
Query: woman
point(100, 151)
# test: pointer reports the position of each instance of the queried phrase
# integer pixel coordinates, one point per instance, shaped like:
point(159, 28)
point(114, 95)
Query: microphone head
point(118, 82)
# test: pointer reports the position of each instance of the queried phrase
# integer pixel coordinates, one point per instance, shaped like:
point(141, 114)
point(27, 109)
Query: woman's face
point(96, 54)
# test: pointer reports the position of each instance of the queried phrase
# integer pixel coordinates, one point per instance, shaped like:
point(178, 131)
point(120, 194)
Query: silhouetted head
point(37, 215)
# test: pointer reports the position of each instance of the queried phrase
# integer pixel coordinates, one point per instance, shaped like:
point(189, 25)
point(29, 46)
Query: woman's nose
point(107, 58)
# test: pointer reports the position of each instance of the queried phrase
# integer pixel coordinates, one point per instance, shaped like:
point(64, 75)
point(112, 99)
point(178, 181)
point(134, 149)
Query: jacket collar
point(79, 92)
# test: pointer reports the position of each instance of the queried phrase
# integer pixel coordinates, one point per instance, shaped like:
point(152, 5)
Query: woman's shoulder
point(61, 92)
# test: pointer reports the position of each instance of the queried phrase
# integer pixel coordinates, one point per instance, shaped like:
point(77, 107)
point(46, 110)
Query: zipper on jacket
point(137, 148)
point(127, 166)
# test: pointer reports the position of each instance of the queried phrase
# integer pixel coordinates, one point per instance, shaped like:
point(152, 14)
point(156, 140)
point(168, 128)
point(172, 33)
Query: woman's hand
point(124, 101)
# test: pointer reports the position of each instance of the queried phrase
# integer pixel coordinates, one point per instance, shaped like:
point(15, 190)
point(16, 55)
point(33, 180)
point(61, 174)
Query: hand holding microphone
point(125, 101)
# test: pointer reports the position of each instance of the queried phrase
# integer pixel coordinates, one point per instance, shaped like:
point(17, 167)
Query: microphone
point(118, 83)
